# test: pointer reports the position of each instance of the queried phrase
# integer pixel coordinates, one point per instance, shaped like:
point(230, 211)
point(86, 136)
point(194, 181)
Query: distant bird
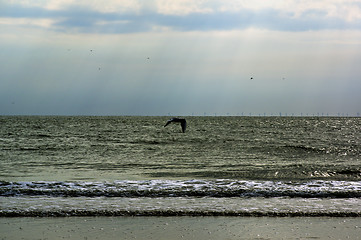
point(182, 121)
point(251, 78)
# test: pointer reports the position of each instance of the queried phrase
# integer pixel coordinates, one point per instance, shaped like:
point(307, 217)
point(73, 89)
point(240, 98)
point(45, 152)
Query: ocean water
point(221, 166)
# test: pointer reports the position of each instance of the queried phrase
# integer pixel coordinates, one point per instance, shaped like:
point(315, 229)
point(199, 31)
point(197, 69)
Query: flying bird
point(182, 121)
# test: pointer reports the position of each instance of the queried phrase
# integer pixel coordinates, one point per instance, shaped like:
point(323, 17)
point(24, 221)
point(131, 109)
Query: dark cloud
point(87, 20)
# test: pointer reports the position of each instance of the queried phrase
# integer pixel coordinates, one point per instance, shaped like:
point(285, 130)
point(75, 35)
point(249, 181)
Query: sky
point(180, 57)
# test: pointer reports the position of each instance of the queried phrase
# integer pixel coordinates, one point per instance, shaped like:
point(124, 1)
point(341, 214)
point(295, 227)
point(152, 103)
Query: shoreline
point(181, 227)
point(174, 213)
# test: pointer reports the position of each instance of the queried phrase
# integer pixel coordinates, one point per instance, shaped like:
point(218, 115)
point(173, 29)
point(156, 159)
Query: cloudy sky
point(180, 57)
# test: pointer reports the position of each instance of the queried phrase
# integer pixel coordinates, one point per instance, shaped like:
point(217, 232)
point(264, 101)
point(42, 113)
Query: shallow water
point(219, 162)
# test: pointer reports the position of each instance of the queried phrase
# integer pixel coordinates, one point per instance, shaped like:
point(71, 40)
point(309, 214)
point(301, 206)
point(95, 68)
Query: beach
point(170, 120)
point(180, 228)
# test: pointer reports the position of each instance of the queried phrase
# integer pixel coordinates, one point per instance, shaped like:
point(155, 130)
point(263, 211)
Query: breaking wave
point(186, 188)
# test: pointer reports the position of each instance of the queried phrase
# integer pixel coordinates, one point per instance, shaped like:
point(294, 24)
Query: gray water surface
point(105, 166)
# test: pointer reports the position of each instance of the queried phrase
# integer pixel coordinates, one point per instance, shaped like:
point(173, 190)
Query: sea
point(56, 166)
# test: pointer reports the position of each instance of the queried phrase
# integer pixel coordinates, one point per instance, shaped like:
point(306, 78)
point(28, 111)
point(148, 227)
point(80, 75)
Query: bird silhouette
point(182, 121)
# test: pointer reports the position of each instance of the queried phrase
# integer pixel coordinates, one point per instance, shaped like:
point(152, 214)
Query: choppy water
point(261, 166)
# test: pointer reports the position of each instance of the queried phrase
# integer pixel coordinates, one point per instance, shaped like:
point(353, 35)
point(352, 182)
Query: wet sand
point(180, 228)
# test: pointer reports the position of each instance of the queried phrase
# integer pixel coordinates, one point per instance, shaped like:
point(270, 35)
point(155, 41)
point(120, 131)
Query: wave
point(43, 206)
point(171, 213)
point(185, 188)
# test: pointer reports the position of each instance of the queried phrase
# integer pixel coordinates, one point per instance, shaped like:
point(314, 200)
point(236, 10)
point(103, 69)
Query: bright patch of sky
point(164, 57)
